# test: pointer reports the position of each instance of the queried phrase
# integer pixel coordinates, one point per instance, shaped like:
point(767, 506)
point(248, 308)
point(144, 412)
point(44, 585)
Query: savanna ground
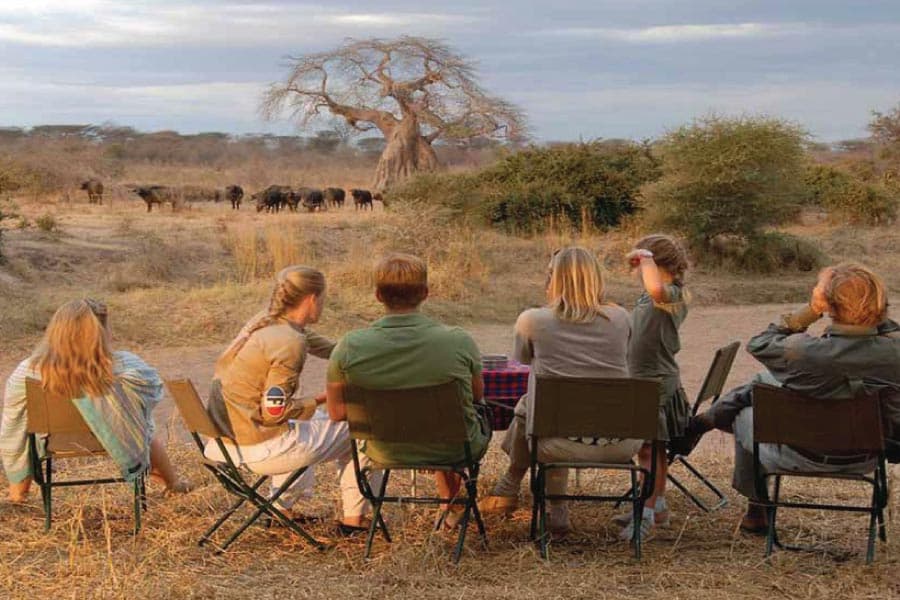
point(179, 285)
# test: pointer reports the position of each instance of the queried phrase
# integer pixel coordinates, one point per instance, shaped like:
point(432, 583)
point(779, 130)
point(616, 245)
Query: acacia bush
point(850, 199)
point(597, 182)
point(730, 178)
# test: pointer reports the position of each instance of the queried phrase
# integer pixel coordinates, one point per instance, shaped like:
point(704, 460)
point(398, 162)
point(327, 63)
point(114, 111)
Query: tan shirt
point(272, 356)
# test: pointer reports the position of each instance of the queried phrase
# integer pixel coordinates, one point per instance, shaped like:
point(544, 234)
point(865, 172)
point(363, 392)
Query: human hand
point(635, 256)
point(320, 399)
point(818, 302)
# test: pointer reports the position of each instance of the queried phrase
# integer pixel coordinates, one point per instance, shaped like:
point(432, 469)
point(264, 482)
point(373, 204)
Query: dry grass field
point(179, 285)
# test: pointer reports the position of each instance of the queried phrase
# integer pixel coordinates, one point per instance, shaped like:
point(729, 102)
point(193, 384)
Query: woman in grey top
point(576, 334)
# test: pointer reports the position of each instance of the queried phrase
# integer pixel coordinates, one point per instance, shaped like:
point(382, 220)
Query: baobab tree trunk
point(407, 152)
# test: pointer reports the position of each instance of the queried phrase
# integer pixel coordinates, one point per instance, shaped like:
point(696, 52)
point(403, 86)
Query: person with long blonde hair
point(115, 391)
point(576, 334)
point(255, 397)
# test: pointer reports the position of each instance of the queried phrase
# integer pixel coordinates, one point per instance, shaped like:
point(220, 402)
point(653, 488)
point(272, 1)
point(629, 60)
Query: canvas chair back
point(191, 408)
point(422, 415)
point(845, 426)
point(595, 407)
point(718, 372)
point(58, 418)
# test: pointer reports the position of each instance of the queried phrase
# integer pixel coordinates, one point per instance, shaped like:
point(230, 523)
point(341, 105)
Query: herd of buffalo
point(271, 199)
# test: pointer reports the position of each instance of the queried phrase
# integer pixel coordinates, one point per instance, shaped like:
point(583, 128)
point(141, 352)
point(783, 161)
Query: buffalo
point(273, 198)
point(361, 198)
point(234, 193)
point(94, 189)
point(158, 194)
point(312, 198)
point(335, 197)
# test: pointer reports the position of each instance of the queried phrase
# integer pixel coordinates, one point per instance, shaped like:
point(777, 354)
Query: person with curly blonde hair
point(861, 346)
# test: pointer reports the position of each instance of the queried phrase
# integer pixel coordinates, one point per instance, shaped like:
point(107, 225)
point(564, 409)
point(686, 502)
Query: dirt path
point(706, 329)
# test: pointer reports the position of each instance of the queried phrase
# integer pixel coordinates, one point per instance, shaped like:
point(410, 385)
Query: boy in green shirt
point(406, 349)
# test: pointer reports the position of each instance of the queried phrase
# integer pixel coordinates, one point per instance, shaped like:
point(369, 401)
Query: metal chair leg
point(772, 513)
point(463, 527)
point(137, 504)
point(873, 522)
point(47, 495)
point(227, 514)
point(377, 503)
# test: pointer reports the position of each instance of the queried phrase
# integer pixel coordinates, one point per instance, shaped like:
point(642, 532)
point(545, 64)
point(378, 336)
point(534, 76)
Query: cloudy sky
point(579, 68)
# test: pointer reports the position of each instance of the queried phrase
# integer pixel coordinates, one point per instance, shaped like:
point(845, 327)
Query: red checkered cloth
point(505, 386)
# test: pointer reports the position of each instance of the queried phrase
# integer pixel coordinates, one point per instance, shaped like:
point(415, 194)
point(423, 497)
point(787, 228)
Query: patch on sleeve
point(274, 402)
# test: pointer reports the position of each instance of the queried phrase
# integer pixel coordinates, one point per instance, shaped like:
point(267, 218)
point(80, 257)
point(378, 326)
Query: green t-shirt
point(407, 351)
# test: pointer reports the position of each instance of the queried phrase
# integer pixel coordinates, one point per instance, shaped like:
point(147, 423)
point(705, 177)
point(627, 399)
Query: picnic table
point(503, 387)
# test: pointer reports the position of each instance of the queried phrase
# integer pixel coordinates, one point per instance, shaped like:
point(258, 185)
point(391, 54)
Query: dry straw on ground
point(181, 284)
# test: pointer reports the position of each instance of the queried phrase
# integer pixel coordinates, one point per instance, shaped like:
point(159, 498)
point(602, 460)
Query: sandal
point(346, 531)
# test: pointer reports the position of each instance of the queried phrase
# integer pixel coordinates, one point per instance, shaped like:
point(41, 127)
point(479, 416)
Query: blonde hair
point(74, 357)
point(667, 253)
point(575, 288)
point(856, 295)
point(292, 285)
point(401, 281)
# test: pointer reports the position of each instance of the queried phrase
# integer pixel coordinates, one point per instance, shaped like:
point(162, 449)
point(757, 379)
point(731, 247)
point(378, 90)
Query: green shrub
point(526, 191)
point(727, 177)
point(774, 251)
point(849, 199)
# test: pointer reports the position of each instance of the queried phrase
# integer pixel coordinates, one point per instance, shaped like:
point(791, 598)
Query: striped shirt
point(120, 419)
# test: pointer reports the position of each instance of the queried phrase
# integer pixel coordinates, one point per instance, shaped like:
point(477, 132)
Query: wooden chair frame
point(625, 408)
point(231, 476)
point(423, 415)
point(57, 423)
point(844, 427)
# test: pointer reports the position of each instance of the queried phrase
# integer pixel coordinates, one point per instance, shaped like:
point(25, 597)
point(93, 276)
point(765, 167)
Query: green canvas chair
point(841, 429)
point(56, 422)
point(232, 477)
point(566, 407)
point(421, 415)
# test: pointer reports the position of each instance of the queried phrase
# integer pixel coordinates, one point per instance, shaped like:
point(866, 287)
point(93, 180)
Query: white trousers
point(305, 444)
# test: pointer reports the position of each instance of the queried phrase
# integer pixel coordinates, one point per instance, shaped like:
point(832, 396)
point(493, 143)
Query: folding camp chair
point(591, 407)
point(710, 390)
point(229, 474)
point(834, 430)
point(57, 422)
point(424, 415)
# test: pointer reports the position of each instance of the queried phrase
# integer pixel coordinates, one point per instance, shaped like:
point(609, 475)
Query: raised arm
point(650, 275)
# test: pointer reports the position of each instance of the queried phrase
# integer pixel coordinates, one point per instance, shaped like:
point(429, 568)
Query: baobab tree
point(413, 90)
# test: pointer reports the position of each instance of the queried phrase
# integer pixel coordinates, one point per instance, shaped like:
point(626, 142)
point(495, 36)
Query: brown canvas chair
point(230, 475)
point(423, 415)
point(831, 429)
point(565, 407)
point(709, 391)
point(56, 422)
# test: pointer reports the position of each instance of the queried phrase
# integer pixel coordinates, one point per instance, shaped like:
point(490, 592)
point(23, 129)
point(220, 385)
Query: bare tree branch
point(416, 85)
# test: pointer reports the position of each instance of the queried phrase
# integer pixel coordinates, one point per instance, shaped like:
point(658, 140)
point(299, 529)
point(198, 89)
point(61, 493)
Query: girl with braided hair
point(255, 396)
